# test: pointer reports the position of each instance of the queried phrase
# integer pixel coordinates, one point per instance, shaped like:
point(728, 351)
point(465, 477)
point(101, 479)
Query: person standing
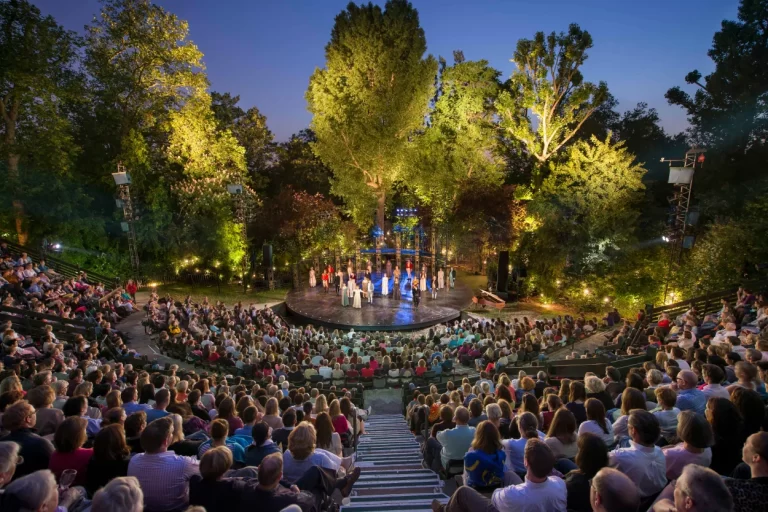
point(434, 289)
point(339, 277)
point(344, 296)
point(423, 281)
point(325, 280)
point(452, 277)
point(358, 300)
point(131, 288)
point(370, 291)
point(312, 278)
point(384, 285)
point(408, 268)
point(416, 292)
point(396, 286)
point(441, 278)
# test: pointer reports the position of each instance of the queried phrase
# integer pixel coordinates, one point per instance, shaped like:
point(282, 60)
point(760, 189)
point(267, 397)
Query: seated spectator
point(180, 445)
point(272, 414)
point(728, 429)
point(70, 454)
point(134, 426)
point(111, 455)
point(48, 418)
point(667, 413)
point(751, 408)
point(591, 458)
point(714, 377)
point(689, 397)
point(210, 489)
point(303, 455)
point(596, 389)
point(271, 496)
point(698, 489)
point(528, 425)
point(19, 419)
point(484, 462)
point(195, 403)
point(476, 412)
point(38, 492)
point(751, 495)
point(163, 475)
point(696, 438)
point(122, 494)
point(249, 417)
point(561, 436)
point(162, 400)
point(597, 423)
point(129, 396)
point(455, 442)
point(613, 491)
point(540, 491)
point(327, 438)
point(631, 398)
point(576, 398)
point(340, 424)
point(280, 435)
point(218, 430)
point(643, 461)
point(262, 445)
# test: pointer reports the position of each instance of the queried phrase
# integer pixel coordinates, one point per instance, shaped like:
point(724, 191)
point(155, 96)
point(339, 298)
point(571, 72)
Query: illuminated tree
point(369, 100)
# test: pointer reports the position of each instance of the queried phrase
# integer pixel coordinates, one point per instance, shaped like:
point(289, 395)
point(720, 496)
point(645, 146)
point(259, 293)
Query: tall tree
point(370, 98)
point(459, 148)
point(548, 86)
point(297, 165)
point(250, 129)
point(37, 58)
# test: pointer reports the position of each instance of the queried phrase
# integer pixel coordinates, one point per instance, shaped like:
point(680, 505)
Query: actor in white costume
point(358, 303)
point(312, 278)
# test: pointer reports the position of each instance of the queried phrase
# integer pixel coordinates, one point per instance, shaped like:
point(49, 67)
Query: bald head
point(613, 491)
point(271, 470)
point(688, 379)
point(755, 454)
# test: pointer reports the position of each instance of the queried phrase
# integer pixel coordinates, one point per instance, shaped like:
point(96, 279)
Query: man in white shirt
point(643, 462)
point(539, 493)
point(714, 376)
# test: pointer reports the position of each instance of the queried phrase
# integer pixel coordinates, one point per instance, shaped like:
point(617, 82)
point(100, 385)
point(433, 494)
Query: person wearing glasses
point(698, 489)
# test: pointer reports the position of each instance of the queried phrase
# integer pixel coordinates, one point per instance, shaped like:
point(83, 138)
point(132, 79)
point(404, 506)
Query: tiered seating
point(392, 476)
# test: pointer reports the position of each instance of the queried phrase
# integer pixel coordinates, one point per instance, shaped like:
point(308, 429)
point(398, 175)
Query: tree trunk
point(18, 206)
point(380, 203)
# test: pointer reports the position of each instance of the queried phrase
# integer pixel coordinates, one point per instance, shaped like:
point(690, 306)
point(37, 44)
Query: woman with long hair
point(597, 424)
point(484, 462)
point(565, 390)
point(561, 437)
point(228, 413)
point(69, 439)
point(528, 425)
point(302, 454)
point(111, 455)
point(327, 438)
point(751, 407)
point(576, 398)
point(631, 398)
point(728, 429)
point(696, 437)
point(592, 456)
point(321, 405)
point(272, 414)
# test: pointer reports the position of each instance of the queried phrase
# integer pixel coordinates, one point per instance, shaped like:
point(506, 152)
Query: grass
point(229, 294)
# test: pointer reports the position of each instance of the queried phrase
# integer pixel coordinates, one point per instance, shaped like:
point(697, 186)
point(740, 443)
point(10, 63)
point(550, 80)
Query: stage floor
point(314, 306)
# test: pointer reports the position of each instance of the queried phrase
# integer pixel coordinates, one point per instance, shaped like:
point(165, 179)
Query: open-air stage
point(314, 306)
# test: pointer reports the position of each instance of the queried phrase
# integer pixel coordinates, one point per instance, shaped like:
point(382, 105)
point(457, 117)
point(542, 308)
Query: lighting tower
point(123, 182)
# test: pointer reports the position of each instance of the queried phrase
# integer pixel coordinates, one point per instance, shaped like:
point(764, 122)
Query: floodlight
point(121, 178)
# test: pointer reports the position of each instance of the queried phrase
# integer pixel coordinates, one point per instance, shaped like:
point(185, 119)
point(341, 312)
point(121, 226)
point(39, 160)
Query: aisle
point(392, 477)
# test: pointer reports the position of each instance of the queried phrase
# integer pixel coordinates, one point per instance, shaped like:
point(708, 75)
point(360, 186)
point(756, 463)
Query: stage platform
point(314, 306)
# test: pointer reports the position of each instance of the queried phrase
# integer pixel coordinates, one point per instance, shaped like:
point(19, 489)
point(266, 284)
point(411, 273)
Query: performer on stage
point(338, 279)
point(441, 279)
point(349, 267)
point(434, 288)
point(408, 268)
point(384, 285)
point(370, 269)
point(416, 292)
point(452, 277)
point(364, 287)
point(357, 302)
point(325, 281)
point(370, 291)
point(344, 296)
point(396, 286)
point(423, 281)
point(351, 286)
point(312, 278)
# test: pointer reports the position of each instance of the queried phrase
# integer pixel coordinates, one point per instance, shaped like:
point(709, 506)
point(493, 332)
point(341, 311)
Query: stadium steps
point(392, 478)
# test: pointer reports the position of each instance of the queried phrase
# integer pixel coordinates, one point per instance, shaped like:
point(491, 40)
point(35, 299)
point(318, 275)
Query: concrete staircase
point(392, 477)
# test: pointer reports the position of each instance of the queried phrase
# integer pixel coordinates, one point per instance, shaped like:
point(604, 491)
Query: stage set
point(312, 304)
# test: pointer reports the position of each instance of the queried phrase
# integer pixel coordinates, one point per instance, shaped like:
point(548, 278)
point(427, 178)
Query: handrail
point(65, 268)
point(706, 304)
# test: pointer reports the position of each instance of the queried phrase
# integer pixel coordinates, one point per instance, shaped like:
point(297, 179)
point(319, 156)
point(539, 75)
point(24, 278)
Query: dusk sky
point(265, 51)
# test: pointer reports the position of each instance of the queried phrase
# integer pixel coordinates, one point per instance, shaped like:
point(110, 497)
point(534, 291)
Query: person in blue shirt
point(249, 418)
point(689, 396)
point(484, 462)
point(262, 445)
point(455, 441)
point(219, 430)
point(162, 399)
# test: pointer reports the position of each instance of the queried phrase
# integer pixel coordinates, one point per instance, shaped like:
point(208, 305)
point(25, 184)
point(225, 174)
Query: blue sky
point(265, 51)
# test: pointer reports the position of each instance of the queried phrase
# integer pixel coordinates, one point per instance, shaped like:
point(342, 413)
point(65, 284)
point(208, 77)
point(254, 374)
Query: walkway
point(392, 477)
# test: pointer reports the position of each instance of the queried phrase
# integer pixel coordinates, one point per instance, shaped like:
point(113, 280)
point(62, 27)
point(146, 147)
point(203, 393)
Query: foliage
point(459, 148)
point(367, 102)
point(297, 165)
point(549, 85)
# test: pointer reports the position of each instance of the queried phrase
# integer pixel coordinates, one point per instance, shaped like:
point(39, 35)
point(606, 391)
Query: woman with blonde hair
point(272, 414)
point(561, 436)
point(455, 400)
point(302, 455)
point(595, 388)
point(327, 438)
point(11, 383)
point(340, 424)
point(321, 405)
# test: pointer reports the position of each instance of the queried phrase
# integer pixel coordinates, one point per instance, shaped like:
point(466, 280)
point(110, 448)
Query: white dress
point(312, 279)
point(441, 280)
point(423, 283)
point(370, 292)
point(358, 302)
point(384, 285)
point(351, 288)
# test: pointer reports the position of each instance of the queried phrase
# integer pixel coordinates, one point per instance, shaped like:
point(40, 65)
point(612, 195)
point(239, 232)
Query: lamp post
point(123, 182)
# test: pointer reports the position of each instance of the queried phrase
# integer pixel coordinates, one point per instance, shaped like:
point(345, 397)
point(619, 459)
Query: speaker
point(501, 285)
point(266, 258)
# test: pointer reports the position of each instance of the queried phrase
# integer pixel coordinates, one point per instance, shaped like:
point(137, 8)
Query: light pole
point(123, 182)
